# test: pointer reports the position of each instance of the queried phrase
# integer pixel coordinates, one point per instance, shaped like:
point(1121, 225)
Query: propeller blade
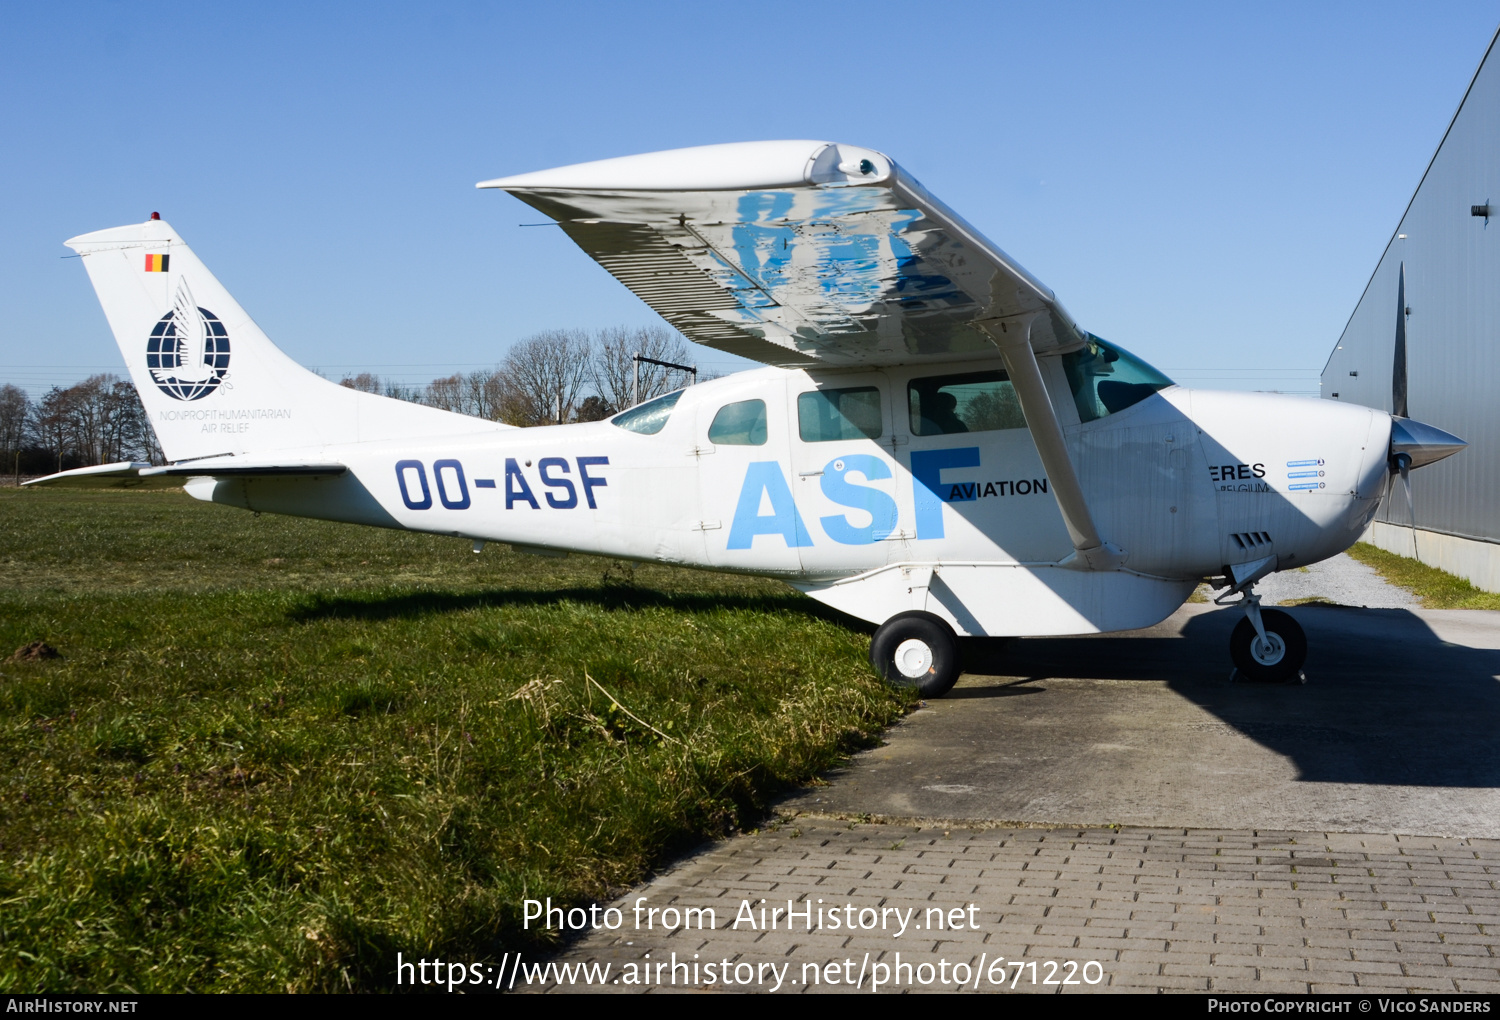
point(1403, 464)
point(1398, 370)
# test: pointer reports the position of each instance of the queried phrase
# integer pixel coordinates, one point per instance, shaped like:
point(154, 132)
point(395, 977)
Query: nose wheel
point(916, 650)
point(1267, 646)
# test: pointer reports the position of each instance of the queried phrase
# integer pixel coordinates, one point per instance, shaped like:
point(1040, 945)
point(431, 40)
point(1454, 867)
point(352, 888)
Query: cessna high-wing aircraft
point(936, 446)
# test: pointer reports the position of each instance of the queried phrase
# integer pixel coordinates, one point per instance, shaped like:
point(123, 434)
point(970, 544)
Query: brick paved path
point(1159, 909)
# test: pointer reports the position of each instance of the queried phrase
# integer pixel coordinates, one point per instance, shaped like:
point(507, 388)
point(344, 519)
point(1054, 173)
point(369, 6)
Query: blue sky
point(1208, 185)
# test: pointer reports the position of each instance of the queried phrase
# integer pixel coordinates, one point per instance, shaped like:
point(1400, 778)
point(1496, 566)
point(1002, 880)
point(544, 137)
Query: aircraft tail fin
point(211, 381)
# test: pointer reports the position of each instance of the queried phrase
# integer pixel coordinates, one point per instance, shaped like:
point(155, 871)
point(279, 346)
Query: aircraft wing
point(132, 475)
point(797, 253)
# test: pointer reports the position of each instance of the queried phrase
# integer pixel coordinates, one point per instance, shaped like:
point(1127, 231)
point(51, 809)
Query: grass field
point(275, 752)
point(1436, 589)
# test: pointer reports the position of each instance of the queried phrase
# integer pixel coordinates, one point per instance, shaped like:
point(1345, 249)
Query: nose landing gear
point(1267, 646)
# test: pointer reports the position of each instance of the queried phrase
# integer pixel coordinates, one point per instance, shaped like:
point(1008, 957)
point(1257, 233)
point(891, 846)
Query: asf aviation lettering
point(843, 481)
point(766, 486)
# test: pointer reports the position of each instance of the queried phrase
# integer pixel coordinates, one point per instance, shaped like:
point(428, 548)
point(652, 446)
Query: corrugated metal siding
point(1453, 333)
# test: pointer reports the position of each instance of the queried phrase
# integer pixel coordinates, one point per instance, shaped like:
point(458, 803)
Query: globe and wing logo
point(188, 351)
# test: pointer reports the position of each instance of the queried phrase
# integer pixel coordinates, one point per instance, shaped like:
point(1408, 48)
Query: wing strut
point(1013, 337)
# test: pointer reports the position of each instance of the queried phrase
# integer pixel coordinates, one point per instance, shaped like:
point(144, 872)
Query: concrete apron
point(1394, 732)
point(1199, 841)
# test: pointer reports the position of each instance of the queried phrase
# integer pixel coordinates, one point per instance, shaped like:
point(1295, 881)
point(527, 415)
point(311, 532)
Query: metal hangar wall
point(1448, 246)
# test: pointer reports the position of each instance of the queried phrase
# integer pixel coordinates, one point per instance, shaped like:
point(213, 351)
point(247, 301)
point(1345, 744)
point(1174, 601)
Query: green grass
point(275, 752)
point(1436, 588)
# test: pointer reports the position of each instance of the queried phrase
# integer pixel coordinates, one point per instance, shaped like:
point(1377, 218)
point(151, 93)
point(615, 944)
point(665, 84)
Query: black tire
point(918, 651)
point(1278, 664)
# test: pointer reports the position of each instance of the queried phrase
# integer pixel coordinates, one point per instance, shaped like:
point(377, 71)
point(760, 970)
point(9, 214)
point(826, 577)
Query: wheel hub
point(913, 659)
point(1270, 651)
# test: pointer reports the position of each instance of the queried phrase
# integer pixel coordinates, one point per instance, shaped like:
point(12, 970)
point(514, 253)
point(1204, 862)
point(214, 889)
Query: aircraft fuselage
point(878, 510)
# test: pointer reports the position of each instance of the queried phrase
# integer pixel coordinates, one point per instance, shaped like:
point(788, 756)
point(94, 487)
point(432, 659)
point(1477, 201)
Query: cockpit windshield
point(1106, 379)
point(649, 418)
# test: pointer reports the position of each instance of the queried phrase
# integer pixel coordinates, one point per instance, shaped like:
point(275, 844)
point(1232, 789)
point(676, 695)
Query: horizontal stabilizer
point(240, 469)
point(130, 475)
point(124, 475)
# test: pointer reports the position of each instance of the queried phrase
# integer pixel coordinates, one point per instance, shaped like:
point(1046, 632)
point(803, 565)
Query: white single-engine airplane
point(937, 448)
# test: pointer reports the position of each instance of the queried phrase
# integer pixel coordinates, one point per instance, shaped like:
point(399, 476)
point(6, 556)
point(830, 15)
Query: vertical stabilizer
point(211, 381)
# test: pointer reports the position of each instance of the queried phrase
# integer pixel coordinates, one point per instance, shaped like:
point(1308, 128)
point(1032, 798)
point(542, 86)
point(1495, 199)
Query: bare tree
point(53, 422)
point(485, 394)
point(614, 370)
point(544, 377)
point(91, 408)
point(368, 382)
point(15, 422)
point(446, 393)
point(400, 391)
point(130, 435)
point(365, 382)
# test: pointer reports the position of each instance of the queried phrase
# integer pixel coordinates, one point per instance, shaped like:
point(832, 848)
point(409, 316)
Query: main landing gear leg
point(1267, 646)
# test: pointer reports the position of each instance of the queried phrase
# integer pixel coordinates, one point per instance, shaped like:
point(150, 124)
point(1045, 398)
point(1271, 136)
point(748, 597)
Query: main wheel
point(1274, 660)
point(916, 650)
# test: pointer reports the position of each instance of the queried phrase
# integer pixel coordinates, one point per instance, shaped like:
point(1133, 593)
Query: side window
point(740, 424)
point(827, 415)
point(649, 418)
point(973, 402)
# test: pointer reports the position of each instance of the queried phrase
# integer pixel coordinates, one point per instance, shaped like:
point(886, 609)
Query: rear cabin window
point(739, 424)
point(649, 418)
point(824, 416)
point(1106, 379)
point(974, 402)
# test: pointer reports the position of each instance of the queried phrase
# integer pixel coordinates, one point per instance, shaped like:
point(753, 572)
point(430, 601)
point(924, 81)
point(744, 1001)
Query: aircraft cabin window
point(1106, 379)
point(827, 415)
point(649, 418)
point(973, 402)
point(740, 424)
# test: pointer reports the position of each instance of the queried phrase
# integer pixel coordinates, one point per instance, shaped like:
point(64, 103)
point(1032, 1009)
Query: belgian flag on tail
point(157, 263)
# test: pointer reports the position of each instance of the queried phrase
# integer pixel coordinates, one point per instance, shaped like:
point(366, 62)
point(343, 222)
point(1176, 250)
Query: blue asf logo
point(927, 467)
point(766, 506)
point(765, 488)
point(878, 505)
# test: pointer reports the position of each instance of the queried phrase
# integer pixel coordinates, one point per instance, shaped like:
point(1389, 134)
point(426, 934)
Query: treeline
point(97, 421)
point(555, 376)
